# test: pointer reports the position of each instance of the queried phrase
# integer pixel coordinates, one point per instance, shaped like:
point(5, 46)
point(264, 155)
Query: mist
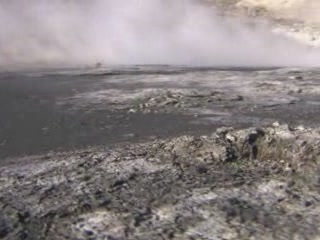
point(182, 32)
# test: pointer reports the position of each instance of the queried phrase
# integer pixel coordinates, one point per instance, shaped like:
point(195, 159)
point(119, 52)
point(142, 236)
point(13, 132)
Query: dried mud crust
point(244, 89)
point(182, 101)
point(232, 184)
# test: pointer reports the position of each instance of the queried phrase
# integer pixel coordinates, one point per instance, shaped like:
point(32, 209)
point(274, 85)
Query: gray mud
point(245, 184)
point(43, 111)
point(160, 153)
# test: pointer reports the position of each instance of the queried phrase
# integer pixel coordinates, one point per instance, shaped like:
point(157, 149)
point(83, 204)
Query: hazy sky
point(70, 32)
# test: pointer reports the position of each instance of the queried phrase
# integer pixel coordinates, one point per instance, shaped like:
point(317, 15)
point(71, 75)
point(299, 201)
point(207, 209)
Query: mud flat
point(68, 110)
point(172, 153)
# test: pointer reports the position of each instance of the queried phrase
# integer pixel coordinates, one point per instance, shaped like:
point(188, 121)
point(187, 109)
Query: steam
point(183, 32)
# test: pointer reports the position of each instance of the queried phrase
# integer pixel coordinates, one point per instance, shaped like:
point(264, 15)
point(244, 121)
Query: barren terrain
point(163, 152)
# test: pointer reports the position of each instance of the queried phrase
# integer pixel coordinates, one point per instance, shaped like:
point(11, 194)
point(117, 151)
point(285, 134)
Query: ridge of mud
point(232, 184)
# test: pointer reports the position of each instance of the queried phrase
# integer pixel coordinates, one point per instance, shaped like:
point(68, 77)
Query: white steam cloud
point(183, 32)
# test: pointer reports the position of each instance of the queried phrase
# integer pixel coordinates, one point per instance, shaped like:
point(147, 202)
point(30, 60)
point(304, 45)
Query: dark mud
point(97, 155)
point(62, 110)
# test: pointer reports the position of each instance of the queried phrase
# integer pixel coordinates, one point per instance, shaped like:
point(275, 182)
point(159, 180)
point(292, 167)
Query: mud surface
point(65, 110)
point(164, 152)
point(159, 152)
point(246, 184)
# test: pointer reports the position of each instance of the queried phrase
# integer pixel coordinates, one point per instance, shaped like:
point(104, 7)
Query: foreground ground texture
point(232, 184)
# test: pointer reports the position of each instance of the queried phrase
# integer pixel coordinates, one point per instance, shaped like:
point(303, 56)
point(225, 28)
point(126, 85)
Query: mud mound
point(232, 184)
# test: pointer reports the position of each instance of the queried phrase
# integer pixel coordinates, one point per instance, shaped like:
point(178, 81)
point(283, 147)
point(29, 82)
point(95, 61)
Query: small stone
point(132, 110)
point(202, 169)
point(300, 128)
point(230, 138)
point(89, 232)
point(307, 203)
point(296, 77)
point(276, 124)
point(288, 168)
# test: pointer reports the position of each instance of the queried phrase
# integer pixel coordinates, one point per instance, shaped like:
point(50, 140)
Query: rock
point(275, 124)
point(231, 138)
point(132, 110)
point(300, 128)
point(296, 77)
